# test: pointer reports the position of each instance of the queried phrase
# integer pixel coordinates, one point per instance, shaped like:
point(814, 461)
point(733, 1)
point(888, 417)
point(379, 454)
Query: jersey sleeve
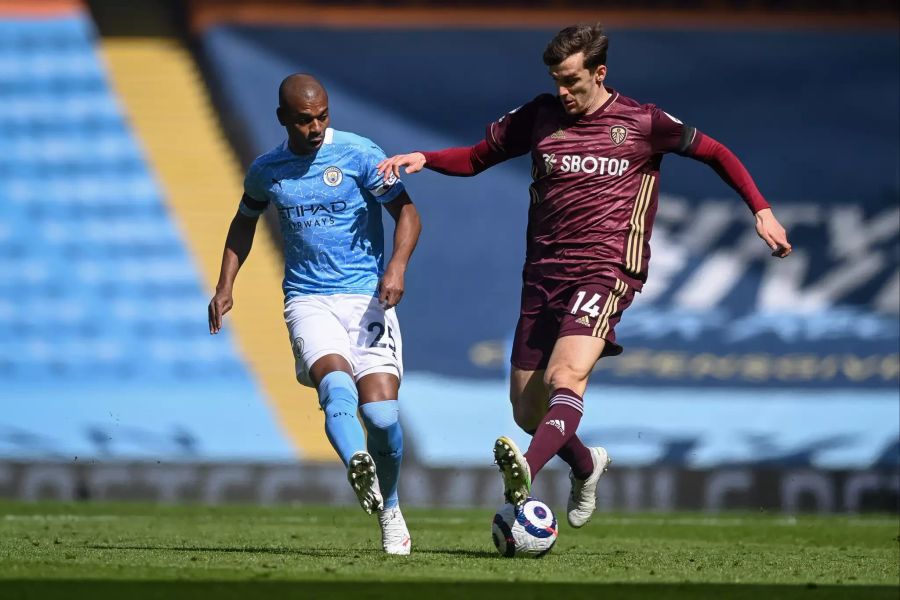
point(256, 193)
point(383, 189)
point(668, 134)
point(511, 134)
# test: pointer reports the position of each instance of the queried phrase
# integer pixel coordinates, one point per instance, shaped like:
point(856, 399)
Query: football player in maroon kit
point(595, 158)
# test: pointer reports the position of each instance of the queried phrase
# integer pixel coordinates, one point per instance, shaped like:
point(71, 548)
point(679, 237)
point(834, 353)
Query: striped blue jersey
point(329, 209)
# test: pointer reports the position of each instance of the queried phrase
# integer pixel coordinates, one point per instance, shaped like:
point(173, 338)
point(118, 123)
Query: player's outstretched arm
point(406, 236)
point(237, 247)
point(461, 162)
point(733, 172)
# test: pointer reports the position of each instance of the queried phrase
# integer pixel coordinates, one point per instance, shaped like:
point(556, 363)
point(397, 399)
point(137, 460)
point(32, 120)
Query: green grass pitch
point(135, 551)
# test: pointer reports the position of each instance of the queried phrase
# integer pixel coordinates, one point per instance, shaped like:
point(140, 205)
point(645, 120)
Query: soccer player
point(596, 158)
point(339, 297)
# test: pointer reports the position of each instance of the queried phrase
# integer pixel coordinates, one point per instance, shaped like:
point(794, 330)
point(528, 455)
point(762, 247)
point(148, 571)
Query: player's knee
point(335, 388)
point(382, 420)
point(563, 377)
point(380, 415)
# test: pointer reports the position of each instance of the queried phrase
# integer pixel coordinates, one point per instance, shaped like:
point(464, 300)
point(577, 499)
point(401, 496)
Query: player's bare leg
point(567, 374)
point(378, 405)
point(339, 399)
point(528, 395)
point(572, 361)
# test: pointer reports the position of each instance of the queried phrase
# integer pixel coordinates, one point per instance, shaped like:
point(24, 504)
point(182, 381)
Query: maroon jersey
point(596, 183)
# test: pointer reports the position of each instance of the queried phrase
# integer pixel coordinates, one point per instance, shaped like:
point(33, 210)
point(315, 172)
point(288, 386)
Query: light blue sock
point(339, 400)
point(382, 421)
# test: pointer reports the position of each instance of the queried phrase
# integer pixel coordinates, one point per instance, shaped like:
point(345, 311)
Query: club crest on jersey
point(333, 176)
point(298, 348)
point(618, 134)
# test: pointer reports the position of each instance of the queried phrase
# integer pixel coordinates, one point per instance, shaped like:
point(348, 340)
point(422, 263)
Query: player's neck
point(298, 152)
point(602, 96)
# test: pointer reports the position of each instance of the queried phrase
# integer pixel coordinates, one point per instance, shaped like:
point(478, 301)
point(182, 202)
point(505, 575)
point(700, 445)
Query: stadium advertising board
point(657, 489)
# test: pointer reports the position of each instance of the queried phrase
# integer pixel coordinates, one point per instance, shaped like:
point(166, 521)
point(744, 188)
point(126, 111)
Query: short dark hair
point(589, 39)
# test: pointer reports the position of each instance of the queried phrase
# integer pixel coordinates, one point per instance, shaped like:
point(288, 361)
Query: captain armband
point(389, 181)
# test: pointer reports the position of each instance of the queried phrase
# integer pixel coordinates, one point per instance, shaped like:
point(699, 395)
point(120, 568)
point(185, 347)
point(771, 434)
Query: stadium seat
point(93, 271)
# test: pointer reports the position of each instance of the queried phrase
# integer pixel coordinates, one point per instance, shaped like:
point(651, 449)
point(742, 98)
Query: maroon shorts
point(554, 309)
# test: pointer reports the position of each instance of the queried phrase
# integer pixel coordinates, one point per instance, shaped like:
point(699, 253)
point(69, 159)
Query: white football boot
point(394, 534)
point(515, 470)
point(583, 496)
point(364, 481)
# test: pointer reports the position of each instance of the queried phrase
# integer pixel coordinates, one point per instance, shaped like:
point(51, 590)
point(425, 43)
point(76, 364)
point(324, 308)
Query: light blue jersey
point(329, 208)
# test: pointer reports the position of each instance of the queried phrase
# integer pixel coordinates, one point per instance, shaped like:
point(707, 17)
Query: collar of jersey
point(329, 139)
point(613, 96)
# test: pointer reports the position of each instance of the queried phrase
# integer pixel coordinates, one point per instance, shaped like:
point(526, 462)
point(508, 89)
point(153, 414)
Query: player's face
point(577, 87)
point(306, 121)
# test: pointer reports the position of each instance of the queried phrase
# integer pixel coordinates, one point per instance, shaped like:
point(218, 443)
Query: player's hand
point(390, 288)
point(414, 162)
point(772, 233)
point(220, 304)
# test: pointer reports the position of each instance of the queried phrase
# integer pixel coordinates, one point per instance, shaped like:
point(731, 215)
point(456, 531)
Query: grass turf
point(134, 551)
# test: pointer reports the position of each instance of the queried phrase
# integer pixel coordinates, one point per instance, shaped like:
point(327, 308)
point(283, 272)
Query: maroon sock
point(578, 456)
point(557, 428)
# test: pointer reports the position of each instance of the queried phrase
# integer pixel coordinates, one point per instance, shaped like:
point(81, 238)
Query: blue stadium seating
point(104, 349)
point(94, 278)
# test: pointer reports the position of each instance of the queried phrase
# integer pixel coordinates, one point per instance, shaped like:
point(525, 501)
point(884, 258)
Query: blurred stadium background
point(746, 383)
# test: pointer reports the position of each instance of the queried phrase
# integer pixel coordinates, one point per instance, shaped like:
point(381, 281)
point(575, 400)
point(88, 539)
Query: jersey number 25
point(377, 343)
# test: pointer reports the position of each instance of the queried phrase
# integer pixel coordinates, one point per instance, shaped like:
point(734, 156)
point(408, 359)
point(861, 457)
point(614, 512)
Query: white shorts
point(354, 326)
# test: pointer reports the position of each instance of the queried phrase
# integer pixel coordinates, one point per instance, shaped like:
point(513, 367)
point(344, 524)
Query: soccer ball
point(528, 530)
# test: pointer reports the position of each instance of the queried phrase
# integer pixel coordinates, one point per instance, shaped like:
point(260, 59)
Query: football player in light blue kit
point(339, 297)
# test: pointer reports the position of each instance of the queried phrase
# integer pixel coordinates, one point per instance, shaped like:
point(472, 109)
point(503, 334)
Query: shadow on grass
point(298, 551)
point(460, 552)
point(326, 590)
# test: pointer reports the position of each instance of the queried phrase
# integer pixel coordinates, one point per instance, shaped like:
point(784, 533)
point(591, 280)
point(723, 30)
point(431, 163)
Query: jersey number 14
point(590, 307)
